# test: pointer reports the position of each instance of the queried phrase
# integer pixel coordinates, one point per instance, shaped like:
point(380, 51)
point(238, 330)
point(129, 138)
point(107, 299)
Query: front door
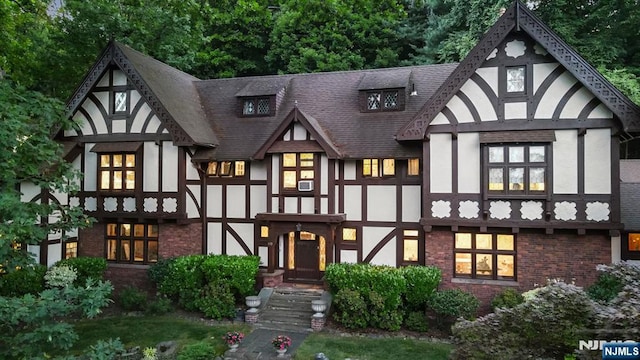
point(305, 256)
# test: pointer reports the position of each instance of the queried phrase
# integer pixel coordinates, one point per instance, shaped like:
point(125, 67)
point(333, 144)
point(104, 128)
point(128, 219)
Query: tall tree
point(327, 35)
point(31, 155)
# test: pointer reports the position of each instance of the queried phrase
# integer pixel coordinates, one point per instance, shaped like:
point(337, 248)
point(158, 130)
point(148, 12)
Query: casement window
point(117, 172)
point(257, 106)
point(378, 167)
point(226, 168)
point(413, 167)
point(132, 243)
point(485, 256)
point(298, 171)
point(382, 100)
point(71, 249)
point(517, 169)
point(516, 79)
point(630, 246)
point(410, 244)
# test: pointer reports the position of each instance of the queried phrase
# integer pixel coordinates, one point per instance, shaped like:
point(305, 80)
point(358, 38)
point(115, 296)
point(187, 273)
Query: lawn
point(147, 331)
point(361, 348)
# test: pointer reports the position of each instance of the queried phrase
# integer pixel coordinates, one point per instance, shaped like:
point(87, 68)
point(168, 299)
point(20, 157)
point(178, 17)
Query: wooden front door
point(304, 253)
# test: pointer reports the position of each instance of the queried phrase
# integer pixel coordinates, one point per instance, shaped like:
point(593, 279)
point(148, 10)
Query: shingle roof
point(331, 100)
point(177, 93)
point(630, 194)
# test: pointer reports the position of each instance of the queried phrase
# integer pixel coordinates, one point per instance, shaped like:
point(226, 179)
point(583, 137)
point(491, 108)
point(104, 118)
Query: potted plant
point(233, 339)
point(281, 343)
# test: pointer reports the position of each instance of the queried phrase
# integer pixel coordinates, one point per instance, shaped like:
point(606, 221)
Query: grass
point(360, 348)
point(148, 331)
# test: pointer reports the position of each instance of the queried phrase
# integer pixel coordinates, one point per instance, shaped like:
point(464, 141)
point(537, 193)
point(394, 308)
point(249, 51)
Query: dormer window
point(382, 100)
point(515, 79)
point(257, 106)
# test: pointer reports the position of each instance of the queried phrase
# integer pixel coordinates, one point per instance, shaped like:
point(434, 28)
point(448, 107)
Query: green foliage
point(105, 349)
point(507, 298)
point(422, 283)
point(31, 157)
point(548, 325)
point(187, 276)
point(216, 300)
point(450, 304)
point(28, 280)
point(86, 267)
point(605, 288)
point(198, 351)
point(158, 271)
point(159, 306)
point(416, 321)
point(60, 276)
point(31, 324)
point(132, 299)
point(350, 309)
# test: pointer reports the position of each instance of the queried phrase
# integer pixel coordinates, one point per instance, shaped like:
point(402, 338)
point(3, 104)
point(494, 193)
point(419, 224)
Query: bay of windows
point(517, 169)
point(117, 171)
point(226, 168)
point(378, 167)
point(132, 243)
point(485, 256)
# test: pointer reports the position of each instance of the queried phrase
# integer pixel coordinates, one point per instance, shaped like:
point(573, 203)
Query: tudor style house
point(502, 170)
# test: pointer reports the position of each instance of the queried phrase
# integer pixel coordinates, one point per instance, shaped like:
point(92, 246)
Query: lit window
point(482, 256)
point(516, 79)
point(348, 234)
point(136, 243)
point(117, 171)
point(297, 167)
point(377, 167)
point(70, 249)
point(413, 167)
point(264, 231)
point(226, 168)
point(410, 246)
point(517, 169)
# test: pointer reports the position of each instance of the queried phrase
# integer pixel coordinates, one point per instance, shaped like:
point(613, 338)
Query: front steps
point(288, 309)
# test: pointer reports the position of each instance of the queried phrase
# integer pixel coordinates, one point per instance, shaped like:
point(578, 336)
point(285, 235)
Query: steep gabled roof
point(170, 92)
point(518, 17)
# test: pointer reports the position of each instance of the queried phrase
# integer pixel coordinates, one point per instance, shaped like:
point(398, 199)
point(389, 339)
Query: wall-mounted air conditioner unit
point(305, 185)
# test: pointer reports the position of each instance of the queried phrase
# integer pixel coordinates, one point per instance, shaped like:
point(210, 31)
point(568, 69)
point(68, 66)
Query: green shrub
point(197, 351)
point(132, 299)
point(239, 272)
point(605, 288)
point(160, 306)
point(547, 326)
point(450, 304)
point(160, 270)
point(216, 301)
point(60, 276)
point(28, 280)
point(350, 309)
point(184, 280)
point(507, 298)
point(380, 316)
point(86, 267)
point(422, 283)
point(416, 321)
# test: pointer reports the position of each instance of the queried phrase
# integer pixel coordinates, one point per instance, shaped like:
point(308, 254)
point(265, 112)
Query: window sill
point(127, 265)
point(485, 282)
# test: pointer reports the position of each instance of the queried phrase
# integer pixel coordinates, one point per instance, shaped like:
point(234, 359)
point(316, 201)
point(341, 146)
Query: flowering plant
point(281, 342)
point(233, 337)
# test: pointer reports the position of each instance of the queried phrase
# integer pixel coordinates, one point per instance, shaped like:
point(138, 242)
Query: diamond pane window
point(373, 101)
point(515, 79)
point(248, 108)
point(263, 106)
point(391, 100)
point(120, 101)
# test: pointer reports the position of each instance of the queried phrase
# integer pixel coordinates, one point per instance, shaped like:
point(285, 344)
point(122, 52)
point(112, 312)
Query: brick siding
point(562, 255)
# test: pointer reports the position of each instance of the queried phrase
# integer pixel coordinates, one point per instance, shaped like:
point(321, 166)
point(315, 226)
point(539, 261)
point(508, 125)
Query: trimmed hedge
point(28, 280)
point(86, 267)
point(212, 284)
point(422, 283)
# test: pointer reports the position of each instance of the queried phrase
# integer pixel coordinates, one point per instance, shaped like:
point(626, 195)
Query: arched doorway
point(305, 256)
